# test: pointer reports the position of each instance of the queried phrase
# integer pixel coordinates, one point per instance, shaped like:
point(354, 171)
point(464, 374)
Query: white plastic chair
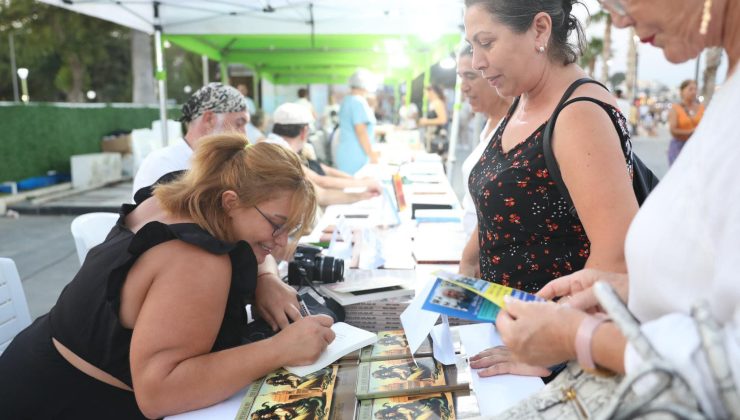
point(14, 315)
point(90, 229)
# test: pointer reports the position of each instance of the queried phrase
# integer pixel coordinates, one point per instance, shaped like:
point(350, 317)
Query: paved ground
point(41, 244)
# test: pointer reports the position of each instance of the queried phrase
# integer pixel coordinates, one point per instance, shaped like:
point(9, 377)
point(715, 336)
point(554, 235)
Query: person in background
point(683, 119)
point(305, 101)
point(484, 99)
point(161, 301)
point(291, 130)
point(526, 235)
point(256, 127)
point(622, 103)
point(357, 125)
point(408, 114)
point(436, 120)
point(213, 109)
point(681, 248)
point(244, 90)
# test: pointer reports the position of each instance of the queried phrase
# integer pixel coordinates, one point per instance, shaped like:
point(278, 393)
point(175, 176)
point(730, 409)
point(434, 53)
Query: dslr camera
point(308, 266)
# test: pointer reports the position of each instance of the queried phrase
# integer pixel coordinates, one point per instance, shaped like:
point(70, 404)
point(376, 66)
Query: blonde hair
point(256, 173)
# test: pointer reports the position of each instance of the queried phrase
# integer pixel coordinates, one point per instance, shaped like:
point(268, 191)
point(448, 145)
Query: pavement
point(40, 242)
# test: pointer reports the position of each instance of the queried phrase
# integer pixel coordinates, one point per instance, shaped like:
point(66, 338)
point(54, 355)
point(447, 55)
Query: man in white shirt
point(212, 109)
point(291, 129)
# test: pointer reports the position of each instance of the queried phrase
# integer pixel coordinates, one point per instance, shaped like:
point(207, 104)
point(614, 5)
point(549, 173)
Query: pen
point(303, 308)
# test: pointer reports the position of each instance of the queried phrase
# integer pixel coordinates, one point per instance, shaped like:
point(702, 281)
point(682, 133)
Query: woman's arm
point(588, 151)
point(334, 172)
point(678, 133)
point(364, 138)
point(331, 182)
point(470, 260)
point(176, 326)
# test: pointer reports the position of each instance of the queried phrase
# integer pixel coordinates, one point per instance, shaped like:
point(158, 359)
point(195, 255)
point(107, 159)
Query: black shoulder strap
point(552, 165)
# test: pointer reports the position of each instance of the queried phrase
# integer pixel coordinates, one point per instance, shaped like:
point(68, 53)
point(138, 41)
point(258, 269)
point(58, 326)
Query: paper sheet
point(417, 323)
point(224, 410)
point(496, 393)
point(442, 345)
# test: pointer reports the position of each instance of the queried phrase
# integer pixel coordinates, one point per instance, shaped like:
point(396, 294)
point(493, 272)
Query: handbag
point(577, 394)
point(643, 179)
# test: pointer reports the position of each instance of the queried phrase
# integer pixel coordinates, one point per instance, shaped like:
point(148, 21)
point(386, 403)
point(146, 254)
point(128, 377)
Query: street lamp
point(23, 74)
point(91, 95)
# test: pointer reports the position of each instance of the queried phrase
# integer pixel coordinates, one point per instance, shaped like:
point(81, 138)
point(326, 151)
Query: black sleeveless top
point(85, 318)
point(526, 235)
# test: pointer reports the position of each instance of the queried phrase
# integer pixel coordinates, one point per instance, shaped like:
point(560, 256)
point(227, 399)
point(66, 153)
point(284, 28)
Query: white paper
point(418, 323)
point(442, 345)
point(348, 339)
point(227, 409)
point(495, 393)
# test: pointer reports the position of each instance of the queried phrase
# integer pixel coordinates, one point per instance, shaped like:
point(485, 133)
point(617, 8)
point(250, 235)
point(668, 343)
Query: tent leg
point(454, 130)
point(161, 77)
point(224, 72)
point(204, 63)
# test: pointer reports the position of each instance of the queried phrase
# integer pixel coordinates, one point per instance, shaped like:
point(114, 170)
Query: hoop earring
point(706, 17)
point(541, 49)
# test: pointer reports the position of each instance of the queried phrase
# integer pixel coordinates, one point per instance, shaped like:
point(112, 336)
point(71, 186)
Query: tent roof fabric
point(298, 42)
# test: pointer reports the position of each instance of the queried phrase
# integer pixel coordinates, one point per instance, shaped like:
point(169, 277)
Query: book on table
point(282, 393)
point(350, 292)
point(470, 298)
point(438, 406)
point(347, 340)
point(392, 344)
point(390, 378)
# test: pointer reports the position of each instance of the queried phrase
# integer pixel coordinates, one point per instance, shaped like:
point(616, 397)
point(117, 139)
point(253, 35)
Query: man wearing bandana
point(216, 108)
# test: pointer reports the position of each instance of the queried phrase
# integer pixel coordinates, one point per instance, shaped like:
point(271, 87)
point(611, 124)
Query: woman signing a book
point(526, 235)
point(151, 324)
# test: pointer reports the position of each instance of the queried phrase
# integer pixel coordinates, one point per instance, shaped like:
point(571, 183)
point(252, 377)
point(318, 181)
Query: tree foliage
point(66, 53)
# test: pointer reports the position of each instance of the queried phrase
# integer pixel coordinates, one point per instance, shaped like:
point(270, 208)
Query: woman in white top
point(684, 244)
point(484, 99)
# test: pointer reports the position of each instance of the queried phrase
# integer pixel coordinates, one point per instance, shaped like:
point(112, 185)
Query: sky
point(652, 65)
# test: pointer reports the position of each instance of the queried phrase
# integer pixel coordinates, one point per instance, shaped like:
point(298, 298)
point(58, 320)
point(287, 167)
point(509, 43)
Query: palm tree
point(606, 52)
point(588, 59)
point(713, 59)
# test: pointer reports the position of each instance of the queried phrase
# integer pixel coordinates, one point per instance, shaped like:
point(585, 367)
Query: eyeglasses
point(277, 229)
point(614, 6)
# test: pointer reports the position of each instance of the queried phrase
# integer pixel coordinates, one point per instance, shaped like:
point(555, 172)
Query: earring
point(706, 17)
point(541, 49)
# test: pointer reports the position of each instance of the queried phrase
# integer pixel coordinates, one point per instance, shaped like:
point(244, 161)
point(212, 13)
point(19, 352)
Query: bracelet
point(584, 336)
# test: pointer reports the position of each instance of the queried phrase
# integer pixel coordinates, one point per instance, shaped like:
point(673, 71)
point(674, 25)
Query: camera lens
point(328, 269)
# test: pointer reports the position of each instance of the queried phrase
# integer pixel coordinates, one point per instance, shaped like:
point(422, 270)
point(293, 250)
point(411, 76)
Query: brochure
point(470, 298)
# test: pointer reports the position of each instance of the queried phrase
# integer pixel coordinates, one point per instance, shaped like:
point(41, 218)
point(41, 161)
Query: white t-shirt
point(470, 218)
point(684, 246)
point(174, 157)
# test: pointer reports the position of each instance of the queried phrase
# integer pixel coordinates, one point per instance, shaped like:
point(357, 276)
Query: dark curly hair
point(519, 15)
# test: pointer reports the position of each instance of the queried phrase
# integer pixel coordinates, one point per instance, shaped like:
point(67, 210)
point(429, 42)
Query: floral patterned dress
point(526, 235)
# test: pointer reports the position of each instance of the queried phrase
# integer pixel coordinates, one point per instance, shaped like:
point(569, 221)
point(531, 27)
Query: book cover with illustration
point(418, 407)
point(393, 345)
point(470, 298)
point(282, 394)
point(390, 378)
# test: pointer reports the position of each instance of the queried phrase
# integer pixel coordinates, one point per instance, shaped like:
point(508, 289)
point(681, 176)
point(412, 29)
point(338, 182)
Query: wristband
point(584, 336)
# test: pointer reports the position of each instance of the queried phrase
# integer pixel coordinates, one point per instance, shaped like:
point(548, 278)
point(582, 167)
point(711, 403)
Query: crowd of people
point(153, 323)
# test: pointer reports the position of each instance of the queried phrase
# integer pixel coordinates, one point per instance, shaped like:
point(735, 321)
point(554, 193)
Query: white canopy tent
point(426, 19)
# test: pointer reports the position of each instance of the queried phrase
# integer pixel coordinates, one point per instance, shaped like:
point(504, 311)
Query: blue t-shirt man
point(350, 154)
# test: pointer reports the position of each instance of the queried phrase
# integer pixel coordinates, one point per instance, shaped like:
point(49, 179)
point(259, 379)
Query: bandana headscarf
point(215, 97)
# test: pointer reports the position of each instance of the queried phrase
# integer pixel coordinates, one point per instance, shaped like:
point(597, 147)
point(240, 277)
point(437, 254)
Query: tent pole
point(454, 129)
point(256, 89)
point(204, 63)
point(224, 72)
point(161, 74)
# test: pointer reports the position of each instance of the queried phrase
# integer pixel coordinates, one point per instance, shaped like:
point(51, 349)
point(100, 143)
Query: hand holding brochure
point(470, 298)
